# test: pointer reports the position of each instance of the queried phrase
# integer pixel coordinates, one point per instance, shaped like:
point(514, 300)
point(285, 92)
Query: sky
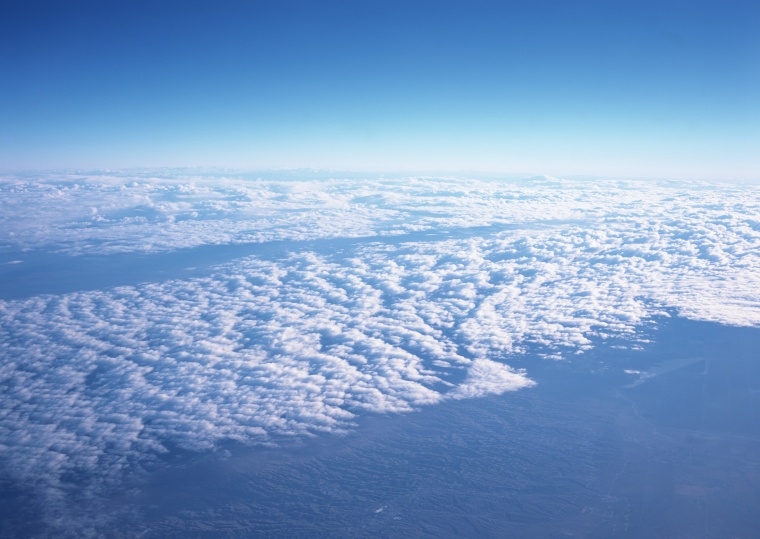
point(638, 89)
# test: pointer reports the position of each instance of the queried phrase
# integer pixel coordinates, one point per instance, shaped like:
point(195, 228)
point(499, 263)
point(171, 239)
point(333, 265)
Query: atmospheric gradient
point(657, 89)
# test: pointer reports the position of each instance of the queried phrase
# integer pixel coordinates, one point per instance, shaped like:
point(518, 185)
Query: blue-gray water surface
point(591, 451)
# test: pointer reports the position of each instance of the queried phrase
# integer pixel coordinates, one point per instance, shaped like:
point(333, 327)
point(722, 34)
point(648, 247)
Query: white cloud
point(100, 382)
point(486, 377)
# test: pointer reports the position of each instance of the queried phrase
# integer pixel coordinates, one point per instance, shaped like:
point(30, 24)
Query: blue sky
point(604, 88)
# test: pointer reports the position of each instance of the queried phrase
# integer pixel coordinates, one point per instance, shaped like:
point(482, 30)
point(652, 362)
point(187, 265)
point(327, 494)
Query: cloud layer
point(99, 383)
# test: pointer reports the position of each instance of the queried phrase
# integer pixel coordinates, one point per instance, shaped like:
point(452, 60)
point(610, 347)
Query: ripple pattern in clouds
point(101, 382)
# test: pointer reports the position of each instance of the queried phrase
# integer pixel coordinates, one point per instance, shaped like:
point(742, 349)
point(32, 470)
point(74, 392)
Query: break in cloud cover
point(352, 297)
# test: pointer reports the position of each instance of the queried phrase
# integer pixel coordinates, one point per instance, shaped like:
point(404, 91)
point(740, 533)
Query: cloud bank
point(101, 383)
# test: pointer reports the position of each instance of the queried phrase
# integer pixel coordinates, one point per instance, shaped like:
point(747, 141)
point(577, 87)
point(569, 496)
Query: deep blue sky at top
point(636, 88)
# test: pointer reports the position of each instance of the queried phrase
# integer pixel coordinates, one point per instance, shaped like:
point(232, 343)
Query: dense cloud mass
point(447, 281)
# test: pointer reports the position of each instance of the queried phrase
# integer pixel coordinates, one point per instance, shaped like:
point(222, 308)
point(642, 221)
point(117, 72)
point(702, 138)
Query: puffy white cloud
point(487, 377)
